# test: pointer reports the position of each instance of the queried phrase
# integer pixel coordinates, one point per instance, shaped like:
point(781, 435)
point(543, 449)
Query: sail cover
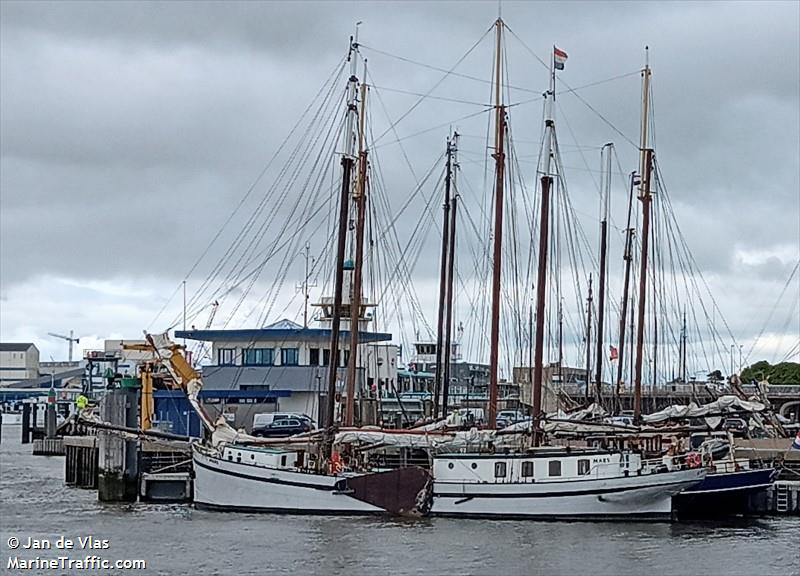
point(722, 405)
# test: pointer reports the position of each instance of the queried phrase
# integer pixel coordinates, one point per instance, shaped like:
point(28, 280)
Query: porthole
point(451, 465)
point(474, 465)
point(252, 456)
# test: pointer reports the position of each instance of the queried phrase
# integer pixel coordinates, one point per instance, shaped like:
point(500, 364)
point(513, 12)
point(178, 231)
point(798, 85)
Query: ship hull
point(235, 486)
point(644, 497)
point(723, 494)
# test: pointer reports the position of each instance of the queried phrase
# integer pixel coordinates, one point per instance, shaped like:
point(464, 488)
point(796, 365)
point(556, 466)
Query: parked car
point(282, 428)
point(265, 419)
point(501, 423)
point(511, 416)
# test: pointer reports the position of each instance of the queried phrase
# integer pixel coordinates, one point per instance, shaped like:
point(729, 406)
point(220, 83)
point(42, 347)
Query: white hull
point(646, 496)
point(236, 486)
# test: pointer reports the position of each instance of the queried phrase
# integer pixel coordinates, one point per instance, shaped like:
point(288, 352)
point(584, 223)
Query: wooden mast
point(360, 200)
point(541, 276)
point(628, 257)
point(440, 355)
point(347, 169)
point(645, 198)
point(452, 165)
point(499, 157)
point(601, 305)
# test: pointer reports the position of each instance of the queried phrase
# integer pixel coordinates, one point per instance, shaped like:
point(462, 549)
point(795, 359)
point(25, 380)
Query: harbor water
point(177, 539)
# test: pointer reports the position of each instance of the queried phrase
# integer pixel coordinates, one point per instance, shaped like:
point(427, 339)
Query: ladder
point(781, 497)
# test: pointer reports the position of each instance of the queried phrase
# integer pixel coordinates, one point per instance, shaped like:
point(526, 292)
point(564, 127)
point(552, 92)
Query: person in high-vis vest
point(81, 402)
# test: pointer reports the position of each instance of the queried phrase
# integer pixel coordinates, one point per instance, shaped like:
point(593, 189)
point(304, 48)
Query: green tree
point(783, 373)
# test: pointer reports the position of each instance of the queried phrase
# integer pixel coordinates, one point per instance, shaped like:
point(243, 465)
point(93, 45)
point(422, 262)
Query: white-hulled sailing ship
point(330, 473)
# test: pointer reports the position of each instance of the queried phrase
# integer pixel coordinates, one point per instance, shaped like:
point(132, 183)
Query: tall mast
point(452, 167)
point(645, 197)
point(628, 258)
point(541, 276)
point(440, 354)
point(348, 160)
point(683, 350)
point(601, 305)
point(360, 199)
point(499, 157)
point(589, 340)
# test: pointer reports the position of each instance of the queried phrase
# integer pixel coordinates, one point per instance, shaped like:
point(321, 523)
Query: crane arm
point(67, 338)
point(182, 372)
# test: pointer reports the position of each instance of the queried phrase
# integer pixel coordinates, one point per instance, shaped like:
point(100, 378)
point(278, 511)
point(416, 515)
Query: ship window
point(257, 356)
point(313, 356)
point(527, 469)
point(326, 357)
point(474, 465)
point(499, 469)
point(554, 468)
point(451, 465)
point(289, 356)
point(226, 356)
point(583, 467)
point(283, 460)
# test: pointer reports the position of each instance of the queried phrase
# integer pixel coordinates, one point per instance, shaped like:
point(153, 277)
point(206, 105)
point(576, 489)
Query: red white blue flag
point(559, 58)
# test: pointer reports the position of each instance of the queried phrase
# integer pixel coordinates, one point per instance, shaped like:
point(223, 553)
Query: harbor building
point(19, 361)
point(284, 367)
point(469, 381)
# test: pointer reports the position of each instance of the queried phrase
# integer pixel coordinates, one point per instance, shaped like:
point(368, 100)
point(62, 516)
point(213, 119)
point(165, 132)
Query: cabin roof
point(281, 334)
point(15, 346)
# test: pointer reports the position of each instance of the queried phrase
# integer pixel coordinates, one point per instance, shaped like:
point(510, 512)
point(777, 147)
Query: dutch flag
point(559, 58)
point(796, 443)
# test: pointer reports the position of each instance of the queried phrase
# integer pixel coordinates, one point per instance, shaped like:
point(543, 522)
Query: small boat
point(728, 488)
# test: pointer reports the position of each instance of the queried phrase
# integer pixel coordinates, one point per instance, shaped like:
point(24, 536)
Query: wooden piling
point(117, 461)
point(80, 468)
point(26, 423)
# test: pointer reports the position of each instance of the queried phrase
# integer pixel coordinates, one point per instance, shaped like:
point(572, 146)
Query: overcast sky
point(130, 131)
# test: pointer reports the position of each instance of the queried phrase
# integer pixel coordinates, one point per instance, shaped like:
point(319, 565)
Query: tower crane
point(69, 339)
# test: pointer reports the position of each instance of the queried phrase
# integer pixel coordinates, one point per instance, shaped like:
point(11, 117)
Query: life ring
point(694, 460)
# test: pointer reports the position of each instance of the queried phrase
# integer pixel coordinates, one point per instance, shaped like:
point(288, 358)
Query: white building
point(18, 361)
point(285, 366)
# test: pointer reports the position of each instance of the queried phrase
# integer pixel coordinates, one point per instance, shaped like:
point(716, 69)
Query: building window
point(326, 357)
point(527, 469)
point(499, 469)
point(257, 356)
point(554, 468)
point(226, 356)
point(289, 356)
point(346, 357)
point(583, 467)
point(313, 356)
